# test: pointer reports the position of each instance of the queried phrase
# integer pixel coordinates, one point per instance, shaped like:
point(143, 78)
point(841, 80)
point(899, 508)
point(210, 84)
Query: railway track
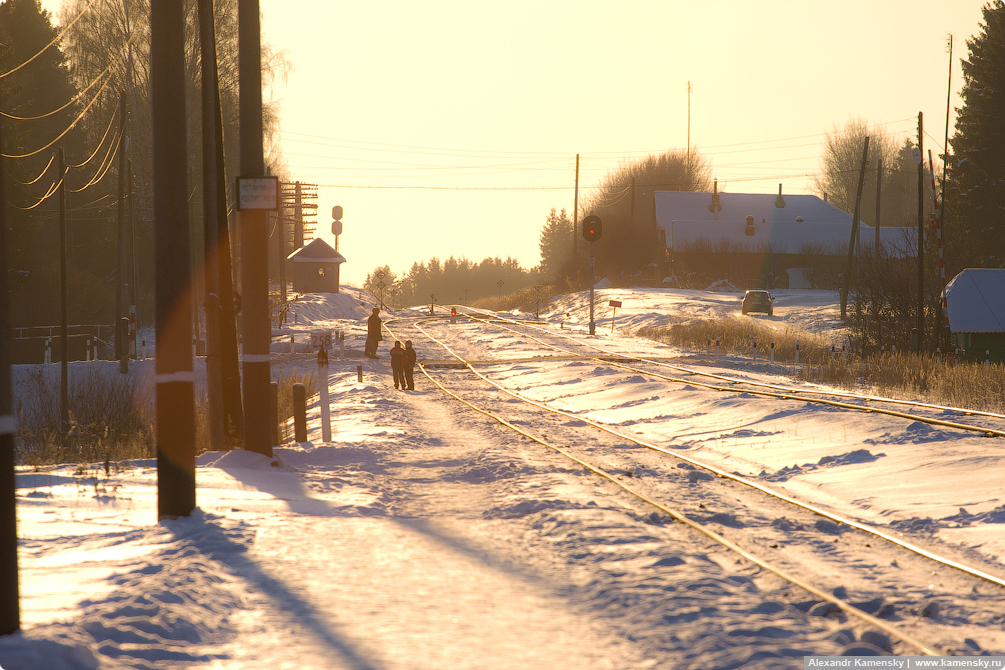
point(629, 363)
point(739, 385)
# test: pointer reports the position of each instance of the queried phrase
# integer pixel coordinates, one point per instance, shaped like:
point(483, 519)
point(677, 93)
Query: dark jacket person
point(373, 335)
point(409, 365)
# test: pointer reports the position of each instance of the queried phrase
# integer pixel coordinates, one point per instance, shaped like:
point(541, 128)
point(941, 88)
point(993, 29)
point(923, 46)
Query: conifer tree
point(977, 193)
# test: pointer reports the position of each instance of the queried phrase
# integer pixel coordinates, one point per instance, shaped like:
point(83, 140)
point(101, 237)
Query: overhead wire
point(58, 110)
point(54, 40)
point(109, 157)
point(111, 123)
point(36, 179)
point(52, 189)
point(62, 134)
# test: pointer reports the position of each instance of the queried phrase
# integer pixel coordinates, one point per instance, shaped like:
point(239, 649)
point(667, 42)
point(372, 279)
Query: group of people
point(402, 359)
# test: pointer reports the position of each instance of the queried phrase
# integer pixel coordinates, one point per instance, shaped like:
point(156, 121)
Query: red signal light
point(593, 228)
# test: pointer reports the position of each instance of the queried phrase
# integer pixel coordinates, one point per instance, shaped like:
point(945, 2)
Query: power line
point(40, 174)
point(111, 124)
point(68, 128)
point(109, 157)
point(54, 40)
point(60, 109)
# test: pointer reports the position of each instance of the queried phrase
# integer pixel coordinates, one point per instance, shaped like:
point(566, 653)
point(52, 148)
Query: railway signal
point(593, 228)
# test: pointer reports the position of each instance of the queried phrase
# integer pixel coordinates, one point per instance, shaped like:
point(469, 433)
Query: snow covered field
point(427, 536)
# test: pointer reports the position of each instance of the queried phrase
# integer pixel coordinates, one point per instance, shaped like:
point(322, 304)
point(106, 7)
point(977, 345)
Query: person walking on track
point(373, 335)
point(398, 364)
point(409, 365)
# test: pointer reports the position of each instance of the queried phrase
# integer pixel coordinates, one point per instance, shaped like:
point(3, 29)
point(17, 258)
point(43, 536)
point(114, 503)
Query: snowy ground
point(427, 536)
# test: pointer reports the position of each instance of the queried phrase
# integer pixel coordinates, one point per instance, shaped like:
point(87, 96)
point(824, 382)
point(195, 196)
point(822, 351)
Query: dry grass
point(524, 300)
point(284, 408)
point(285, 403)
point(110, 420)
point(902, 375)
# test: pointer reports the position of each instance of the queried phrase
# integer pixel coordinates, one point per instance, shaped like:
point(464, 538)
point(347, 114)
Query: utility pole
point(254, 238)
point(64, 330)
point(121, 347)
point(233, 409)
point(575, 217)
point(879, 190)
point(921, 238)
point(298, 223)
point(173, 375)
point(10, 598)
point(631, 209)
point(854, 231)
point(134, 273)
point(210, 207)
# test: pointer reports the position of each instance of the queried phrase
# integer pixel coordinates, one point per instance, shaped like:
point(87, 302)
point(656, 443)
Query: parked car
point(757, 301)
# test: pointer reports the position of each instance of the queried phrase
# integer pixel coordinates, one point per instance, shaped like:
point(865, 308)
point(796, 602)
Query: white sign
point(320, 339)
point(258, 193)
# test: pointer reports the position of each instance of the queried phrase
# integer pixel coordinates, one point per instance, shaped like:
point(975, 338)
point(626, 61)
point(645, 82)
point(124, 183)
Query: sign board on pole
point(614, 303)
point(258, 193)
point(321, 338)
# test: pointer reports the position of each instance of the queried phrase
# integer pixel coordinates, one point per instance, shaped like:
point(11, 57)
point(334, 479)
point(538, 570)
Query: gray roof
point(975, 301)
point(803, 224)
point(317, 251)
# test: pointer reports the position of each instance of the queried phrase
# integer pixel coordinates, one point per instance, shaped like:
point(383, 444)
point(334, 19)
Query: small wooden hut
point(316, 268)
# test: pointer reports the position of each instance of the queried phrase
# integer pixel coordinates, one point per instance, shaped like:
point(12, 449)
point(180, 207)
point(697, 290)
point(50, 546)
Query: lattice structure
point(291, 228)
point(299, 202)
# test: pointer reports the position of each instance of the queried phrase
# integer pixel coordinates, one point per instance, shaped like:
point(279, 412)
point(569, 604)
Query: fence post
point(299, 412)
point(772, 352)
point(797, 352)
point(755, 347)
point(359, 373)
point(274, 410)
point(326, 423)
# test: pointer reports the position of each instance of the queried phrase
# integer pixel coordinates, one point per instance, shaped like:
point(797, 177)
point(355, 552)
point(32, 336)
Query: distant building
point(764, 240)
point(316, 268)
point(975, 304)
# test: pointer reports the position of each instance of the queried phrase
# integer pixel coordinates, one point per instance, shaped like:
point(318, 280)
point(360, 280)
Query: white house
point(763, 234)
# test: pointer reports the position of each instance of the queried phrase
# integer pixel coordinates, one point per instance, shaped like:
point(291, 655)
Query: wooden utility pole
point(134, 265)
point(921, 238)
point(121, 347)
point(210, 207)
point(64, 330)
point(174, 378)
point(10, 598)
point(254, 238)
point(233, 409)
point(575, 217)
point(854, 231)
point(879, 191)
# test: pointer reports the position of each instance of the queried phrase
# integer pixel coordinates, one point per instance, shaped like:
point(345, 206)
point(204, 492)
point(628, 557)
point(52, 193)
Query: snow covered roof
point(975, 300)
point(317, 251)
point(788, 224)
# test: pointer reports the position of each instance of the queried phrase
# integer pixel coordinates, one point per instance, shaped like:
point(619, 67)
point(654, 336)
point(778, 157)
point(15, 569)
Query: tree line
point(103, 53)
point(453, 281)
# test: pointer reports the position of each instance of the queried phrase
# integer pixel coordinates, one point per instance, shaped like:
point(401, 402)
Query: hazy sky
point(451, 128)
point(454, 97)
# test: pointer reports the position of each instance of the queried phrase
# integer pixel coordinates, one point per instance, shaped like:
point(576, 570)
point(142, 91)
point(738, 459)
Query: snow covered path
point(427, 536)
